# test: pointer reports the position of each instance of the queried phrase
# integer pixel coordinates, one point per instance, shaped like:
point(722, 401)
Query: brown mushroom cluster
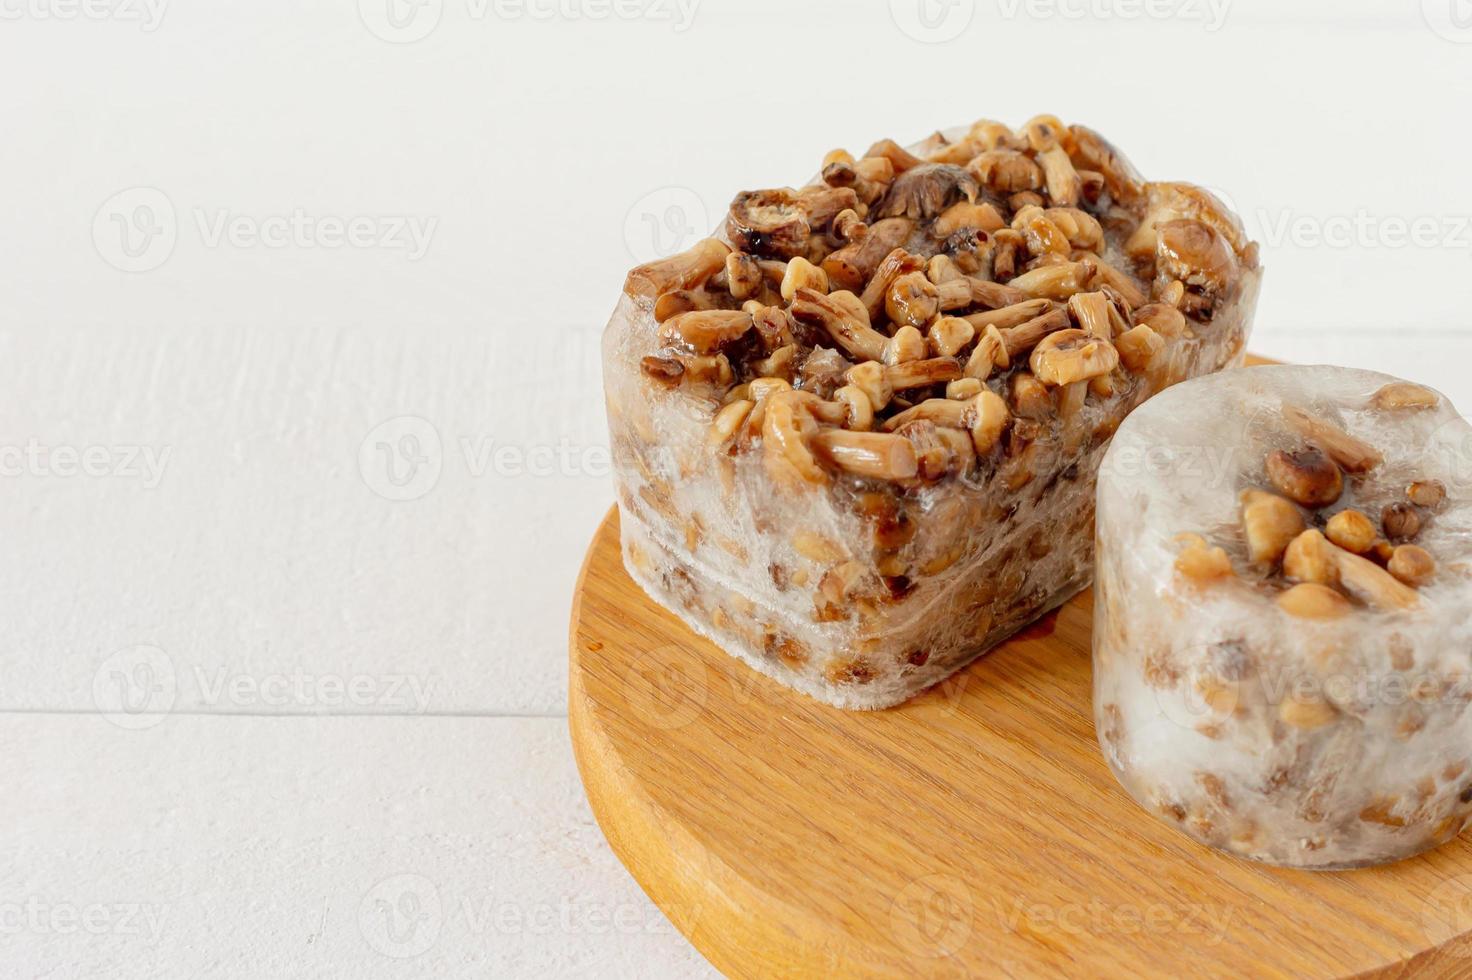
point(857, 433)
point(914, 316)
point(1314, 531)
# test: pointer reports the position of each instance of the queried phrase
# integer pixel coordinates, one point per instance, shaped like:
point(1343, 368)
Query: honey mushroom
point(1429, 494)
point(1307, 476)
point(1352, 531)
point(1270, 523)
point(1320, 770)
point(940, 326)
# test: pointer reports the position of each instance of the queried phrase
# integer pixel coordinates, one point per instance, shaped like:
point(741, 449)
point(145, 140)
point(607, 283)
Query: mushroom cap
point(925, 191)
point(1308, 476)
point(768, 223)
point(1067, 356)
point(1195, 253)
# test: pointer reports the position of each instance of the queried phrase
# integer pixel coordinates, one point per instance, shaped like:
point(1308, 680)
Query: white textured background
point(284, 661)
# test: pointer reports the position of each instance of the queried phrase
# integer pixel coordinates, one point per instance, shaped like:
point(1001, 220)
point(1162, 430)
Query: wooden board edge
point(709, 905)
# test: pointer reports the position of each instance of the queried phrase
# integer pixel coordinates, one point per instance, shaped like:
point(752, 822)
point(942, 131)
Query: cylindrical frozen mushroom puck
point(1283, 620)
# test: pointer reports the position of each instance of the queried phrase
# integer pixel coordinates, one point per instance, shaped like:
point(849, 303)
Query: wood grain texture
point(974, 830)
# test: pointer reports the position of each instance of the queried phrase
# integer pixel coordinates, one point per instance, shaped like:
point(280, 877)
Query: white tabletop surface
point(303, 435)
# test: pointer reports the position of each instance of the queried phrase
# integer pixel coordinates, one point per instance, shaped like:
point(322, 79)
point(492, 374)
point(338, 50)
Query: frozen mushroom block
point(1283, 635)
point(855, 432)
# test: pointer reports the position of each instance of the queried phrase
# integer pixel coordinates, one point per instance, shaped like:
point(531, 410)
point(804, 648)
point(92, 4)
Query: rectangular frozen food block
point(1281, 653)
point(855, 434)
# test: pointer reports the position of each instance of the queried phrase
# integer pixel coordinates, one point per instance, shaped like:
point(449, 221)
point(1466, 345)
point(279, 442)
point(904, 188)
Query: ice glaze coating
point(1306, 707)
point(855, 435)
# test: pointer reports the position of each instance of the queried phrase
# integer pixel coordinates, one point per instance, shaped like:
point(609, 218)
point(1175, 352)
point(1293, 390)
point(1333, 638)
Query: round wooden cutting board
point(974, 831)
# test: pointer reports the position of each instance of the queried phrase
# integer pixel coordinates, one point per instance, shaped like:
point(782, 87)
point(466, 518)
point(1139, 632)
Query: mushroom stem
point(1064, 185)
point(1354, 455)
point(897, 263)
point(684, 271)
point(853, 334)
point(1025, 336)
point(853, 265)
point(1121, 283)
point(902, 158)
point(877, 455)
point(1008, 316)
point(994, 295)
point(918, 374)
point(1057, 281)
point(941, 411)
point(1091, 310)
